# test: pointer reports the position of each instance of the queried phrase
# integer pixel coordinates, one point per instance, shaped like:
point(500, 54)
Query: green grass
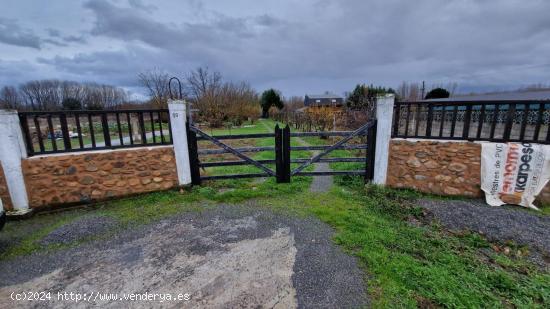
point(406, 266)
point(412, 266)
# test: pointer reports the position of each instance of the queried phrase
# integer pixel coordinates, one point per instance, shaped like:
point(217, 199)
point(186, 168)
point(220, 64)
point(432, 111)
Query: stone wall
point(4, 193)
point(93, 176)
point(445, 168)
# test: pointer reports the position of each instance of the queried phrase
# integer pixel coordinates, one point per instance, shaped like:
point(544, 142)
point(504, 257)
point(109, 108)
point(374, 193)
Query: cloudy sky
point(304, 46)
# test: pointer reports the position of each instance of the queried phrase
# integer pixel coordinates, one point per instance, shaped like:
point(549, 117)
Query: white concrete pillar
point(384, 115)
point(12, 151)
point(177, 110)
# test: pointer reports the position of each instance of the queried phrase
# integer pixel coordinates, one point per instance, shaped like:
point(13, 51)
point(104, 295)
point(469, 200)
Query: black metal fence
point(70, 131)
point(282, 150)
point(496, 121)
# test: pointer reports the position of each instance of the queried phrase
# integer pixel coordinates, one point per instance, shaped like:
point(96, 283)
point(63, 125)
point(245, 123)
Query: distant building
point(330, 99)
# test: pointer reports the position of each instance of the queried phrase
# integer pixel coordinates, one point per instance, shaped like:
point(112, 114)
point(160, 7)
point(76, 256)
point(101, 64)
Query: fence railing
point(496, 121)
point(70, 131)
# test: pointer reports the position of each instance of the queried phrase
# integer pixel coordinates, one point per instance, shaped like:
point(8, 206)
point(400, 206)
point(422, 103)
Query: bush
point(437, 93)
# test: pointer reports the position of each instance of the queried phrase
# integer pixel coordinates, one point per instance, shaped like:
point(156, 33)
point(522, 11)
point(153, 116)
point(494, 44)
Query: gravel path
point(78, 230)
point(498, 224)
point(224, 257)
point(319, 183)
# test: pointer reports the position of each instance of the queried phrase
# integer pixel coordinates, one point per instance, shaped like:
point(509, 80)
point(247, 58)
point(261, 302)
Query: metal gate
point(283, 149)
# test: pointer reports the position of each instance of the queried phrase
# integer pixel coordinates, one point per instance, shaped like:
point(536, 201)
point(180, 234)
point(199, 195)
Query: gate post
point(12, 151)
point(278, 154)
point(193, 156)
point(176, 109)
point(282, 154)
point(384, 115)
point(286, 154)
point(371, 152)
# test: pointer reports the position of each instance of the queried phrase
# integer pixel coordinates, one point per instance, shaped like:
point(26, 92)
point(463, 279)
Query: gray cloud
point(12, 34)
point(138, 4)
point(313, 45)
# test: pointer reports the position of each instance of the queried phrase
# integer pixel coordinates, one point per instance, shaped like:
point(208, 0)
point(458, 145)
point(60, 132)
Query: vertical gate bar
point(417, 120)
point(396, 119)
point(130, 133)
point(142, 128)
point(52, 134)
point(26, 133)
point(467, 120)
point(496, 110)
point(430, 119)
point(509, 121)
point(65, 131)
point(442, 123)
point(481, 120)
point(453, 124)
point(91, 126)
point(78, 130)
point(278, 154)
point(539, 121)
point(286, 153)
point(119, 128)
point(370, 153)
point(160, 128)
point(193, 156)
point(524, 122)
point(152, 119)
point(38, 134)
point(105, 127)
point(407, 120)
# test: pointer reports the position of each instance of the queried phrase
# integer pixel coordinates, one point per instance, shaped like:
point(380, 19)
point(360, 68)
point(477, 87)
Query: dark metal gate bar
point(282, 150)
point(367, 127)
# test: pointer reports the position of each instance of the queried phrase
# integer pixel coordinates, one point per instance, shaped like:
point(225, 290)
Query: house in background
point(323, 100)
point(322, 103)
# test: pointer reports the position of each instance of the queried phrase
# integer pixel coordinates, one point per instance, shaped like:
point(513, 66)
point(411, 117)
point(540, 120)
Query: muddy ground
point(226, 257)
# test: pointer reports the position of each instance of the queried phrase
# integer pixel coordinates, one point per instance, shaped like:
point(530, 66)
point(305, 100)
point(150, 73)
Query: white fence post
point(177, 110)
point(384, 116)
point(12, 151)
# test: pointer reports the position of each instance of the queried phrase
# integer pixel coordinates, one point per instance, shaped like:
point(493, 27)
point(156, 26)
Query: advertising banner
point(514, 173)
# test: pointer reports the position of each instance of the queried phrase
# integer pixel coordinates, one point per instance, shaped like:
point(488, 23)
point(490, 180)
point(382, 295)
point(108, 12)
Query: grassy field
point(267, 126)
point(406, 265)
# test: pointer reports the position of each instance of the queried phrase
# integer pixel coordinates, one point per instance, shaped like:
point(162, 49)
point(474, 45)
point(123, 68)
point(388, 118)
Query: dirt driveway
point(225, 257)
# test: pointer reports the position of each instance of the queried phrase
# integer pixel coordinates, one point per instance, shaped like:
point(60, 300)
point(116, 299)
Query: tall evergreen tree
point(270, 97)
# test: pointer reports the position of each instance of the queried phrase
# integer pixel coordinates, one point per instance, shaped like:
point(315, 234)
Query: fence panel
point(71, 131)
point(496, 121)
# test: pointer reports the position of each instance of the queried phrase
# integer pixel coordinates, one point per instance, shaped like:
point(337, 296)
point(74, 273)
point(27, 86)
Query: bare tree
point(201, 82)
point(9, 98)
point(48, 95)
point(409, 92)
point(156, 83)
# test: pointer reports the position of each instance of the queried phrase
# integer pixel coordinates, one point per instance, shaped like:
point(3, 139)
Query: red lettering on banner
point(510, 166)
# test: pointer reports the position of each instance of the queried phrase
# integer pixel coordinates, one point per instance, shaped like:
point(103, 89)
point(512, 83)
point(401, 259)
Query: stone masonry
point(445, 168)
point(4, 193)
point(93, 176)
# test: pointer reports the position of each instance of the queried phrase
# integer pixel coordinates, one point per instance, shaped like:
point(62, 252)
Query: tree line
point(53, 95)
point(213, 100)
